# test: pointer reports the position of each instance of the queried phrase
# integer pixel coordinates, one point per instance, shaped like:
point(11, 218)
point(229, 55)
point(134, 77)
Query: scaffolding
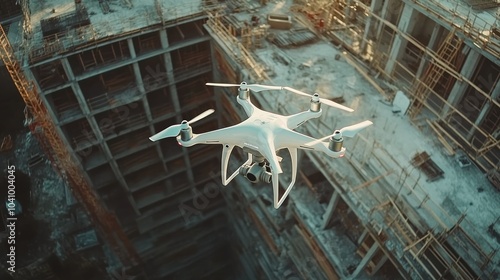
point(447, 52)
point(43, 127)
point(388, 199)
point(369, 32)
point(239, 52)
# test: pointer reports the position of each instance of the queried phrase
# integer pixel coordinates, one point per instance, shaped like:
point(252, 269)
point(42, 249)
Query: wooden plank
point(370, 182)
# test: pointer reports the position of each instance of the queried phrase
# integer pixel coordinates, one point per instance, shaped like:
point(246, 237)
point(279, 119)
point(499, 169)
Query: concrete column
point(363, 236)
point(407, 22)
point(332, 205)
point(431, 46)
point(366, 259)
point(383, 14)
point(174, 96)
point(170, 74)
point(96, 130)
point(368, 34)
point(139, 81)
point(131, 48)
point(459, 88)
point(75, 87)
point(380, 263)
point(217, 92)
point(486, 109)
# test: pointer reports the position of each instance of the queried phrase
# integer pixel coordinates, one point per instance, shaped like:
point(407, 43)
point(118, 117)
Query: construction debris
point(295, 38)
point(423, 161)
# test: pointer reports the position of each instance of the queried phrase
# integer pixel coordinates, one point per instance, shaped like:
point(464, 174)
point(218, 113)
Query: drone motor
point(186, 131)
point(336, 141)
point(315, 103)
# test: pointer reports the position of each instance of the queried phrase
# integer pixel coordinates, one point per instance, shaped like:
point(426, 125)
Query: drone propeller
point(174, 130)
point(258, 88)
point(244, 85)
point(323, 100)
point(348, 131)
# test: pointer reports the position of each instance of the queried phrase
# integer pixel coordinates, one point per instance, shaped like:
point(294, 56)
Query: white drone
point(262, 135)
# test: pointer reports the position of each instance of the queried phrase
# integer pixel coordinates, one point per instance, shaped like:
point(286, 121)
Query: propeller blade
point(201, 116)
point(335, 105)
point(350, 131)
point(253, 87)
point(222, 85)
point(323, 100)
point(171, 131)
point(296, 91)
point(175, 130)
point(316, 141)
point(257, 88)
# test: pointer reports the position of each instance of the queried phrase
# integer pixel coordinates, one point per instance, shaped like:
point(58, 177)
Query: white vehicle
point(262, 135)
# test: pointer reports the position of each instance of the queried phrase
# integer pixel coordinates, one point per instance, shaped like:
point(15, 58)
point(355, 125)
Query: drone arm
point(292, 139)
point(269, 152)
point(227, 135)
point(226, 153)
point(294, 121)
point(247, 105)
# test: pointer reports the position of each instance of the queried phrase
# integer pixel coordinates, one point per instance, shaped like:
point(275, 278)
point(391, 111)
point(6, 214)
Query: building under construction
point(415, 197)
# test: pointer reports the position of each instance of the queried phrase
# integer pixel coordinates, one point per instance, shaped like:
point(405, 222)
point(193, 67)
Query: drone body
point(261, 136)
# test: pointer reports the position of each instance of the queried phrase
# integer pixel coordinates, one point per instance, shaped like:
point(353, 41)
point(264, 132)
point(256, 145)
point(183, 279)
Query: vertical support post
point(330, 209)
point(366, 259)
point(436, 31)
point(407, 21)
point(495, 93)
point(173, 92)
point(459, 88)
point(375, 5)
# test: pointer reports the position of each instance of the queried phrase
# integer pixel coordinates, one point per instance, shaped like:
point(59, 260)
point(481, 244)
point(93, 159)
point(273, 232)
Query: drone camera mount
point(256, 172)
point(315, 103)
point(336, 141)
